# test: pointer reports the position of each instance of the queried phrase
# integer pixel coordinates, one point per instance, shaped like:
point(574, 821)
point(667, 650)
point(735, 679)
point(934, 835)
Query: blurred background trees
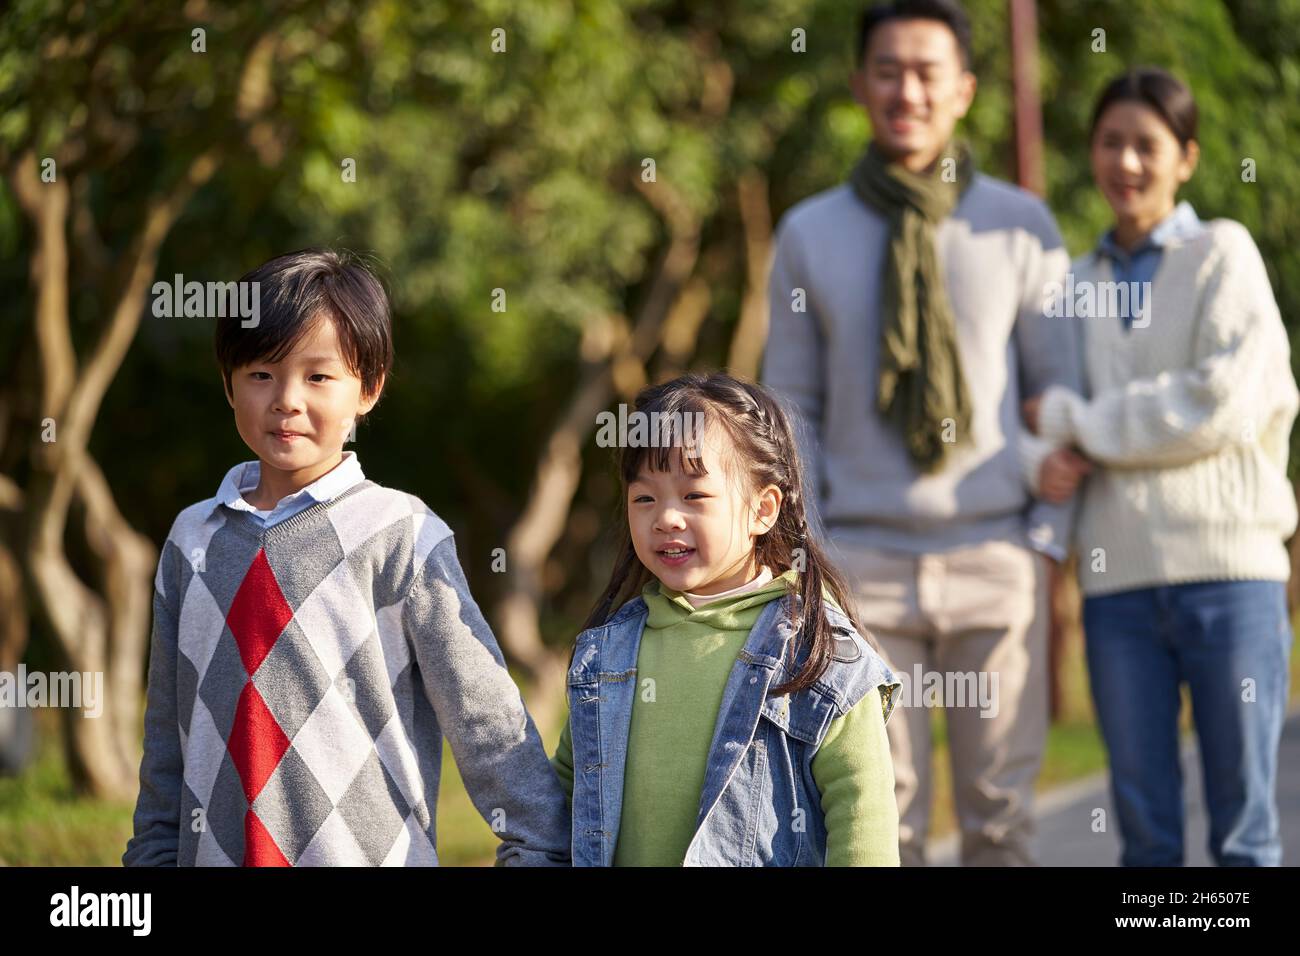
point(605, 174)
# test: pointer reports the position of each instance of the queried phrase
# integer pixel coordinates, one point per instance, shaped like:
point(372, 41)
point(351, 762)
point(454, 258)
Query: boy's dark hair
point(763, 447)
point(295, 290)
point(947, 12)
point(1158, 89)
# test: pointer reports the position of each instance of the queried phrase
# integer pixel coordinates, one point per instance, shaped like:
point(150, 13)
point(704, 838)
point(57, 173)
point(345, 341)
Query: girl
point(724, 706)
point(1181, 531)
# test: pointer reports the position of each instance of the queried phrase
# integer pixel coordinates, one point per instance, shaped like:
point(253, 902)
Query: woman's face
point(1138, 163)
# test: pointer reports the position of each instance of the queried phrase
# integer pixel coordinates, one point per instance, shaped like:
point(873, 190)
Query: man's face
point(295, 414)
point(915, 89)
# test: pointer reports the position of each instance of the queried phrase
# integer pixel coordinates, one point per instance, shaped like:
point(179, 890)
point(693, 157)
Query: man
point(906, 326)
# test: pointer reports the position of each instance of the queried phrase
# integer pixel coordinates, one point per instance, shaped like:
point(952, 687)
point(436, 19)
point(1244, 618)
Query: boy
point(314, 635)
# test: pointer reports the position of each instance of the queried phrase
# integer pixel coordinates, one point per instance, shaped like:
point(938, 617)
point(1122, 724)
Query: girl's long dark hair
point(764, 449)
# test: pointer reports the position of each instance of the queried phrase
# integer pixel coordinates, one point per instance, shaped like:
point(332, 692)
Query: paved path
point(1065, 836)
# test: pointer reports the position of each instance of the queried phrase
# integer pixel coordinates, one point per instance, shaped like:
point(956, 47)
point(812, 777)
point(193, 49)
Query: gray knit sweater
point(999, 250)
point(300, 681)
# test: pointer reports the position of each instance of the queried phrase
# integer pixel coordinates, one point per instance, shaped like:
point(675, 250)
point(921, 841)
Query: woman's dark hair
point(1157, 89)
point(296, 289)
point(763, 450)
point(947, 12)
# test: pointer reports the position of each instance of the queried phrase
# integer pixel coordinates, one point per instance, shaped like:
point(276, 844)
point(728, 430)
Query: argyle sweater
point(301, 678)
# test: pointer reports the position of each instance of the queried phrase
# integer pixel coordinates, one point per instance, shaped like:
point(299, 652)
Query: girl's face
point(696, 533)
point(295, 414)
point(1138, 163)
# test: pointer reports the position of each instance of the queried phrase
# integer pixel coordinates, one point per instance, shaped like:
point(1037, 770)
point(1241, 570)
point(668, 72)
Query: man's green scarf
point(922, 389)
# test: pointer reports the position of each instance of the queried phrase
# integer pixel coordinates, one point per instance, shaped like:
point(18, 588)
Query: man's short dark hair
point(296, 289)
point(947, 12)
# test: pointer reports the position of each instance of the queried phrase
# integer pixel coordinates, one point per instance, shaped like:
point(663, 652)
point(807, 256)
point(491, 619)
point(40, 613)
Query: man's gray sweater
point(999, 250)
point(300, 682)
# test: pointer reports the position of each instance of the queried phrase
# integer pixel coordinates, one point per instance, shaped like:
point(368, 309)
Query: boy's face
point(295, 414)
point(697, 533)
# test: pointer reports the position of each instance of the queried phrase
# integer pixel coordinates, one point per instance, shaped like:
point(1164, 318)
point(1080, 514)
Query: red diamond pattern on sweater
point(258, 615)
point(256, 741)
point(259, 847)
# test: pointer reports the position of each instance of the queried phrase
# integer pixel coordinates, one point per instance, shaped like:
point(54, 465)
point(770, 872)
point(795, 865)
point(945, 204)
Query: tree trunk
point(616, 362)
point(751, 330)
point(94, 633)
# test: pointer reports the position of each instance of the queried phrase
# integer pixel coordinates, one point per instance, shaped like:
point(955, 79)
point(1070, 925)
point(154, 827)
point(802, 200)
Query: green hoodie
point(683, 663)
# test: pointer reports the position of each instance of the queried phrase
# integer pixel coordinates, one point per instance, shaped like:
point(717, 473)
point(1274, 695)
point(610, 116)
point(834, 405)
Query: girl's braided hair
point(763, 452)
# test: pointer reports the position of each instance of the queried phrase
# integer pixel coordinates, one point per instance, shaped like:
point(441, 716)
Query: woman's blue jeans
point(1230, 643)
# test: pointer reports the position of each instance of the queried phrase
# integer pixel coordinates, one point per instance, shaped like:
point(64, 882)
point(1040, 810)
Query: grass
point(44, 822)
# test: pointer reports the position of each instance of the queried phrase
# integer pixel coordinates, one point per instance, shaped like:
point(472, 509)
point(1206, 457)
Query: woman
point(1182, 522)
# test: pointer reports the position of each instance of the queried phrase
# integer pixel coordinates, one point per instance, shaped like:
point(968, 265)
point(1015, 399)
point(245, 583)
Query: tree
point(87, 95)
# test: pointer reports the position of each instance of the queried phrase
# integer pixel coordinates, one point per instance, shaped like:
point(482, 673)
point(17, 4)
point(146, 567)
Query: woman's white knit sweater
point(1189, 418)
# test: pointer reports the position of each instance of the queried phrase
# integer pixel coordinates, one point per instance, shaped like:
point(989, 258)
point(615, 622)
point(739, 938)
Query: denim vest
point(759, 805)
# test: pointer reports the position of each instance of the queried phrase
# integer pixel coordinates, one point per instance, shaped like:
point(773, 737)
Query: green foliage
point(478, 171)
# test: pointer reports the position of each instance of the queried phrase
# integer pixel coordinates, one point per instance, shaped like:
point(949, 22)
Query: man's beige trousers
point(965, 630)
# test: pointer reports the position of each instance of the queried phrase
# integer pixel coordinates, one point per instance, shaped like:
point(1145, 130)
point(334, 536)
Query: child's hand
point(1060, 474)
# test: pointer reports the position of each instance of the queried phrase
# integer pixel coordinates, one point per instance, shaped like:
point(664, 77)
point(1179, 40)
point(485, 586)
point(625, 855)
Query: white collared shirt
point(245, 477)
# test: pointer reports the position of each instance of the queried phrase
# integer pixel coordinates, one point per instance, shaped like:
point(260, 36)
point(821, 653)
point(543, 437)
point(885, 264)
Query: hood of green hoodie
point(668, 608)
